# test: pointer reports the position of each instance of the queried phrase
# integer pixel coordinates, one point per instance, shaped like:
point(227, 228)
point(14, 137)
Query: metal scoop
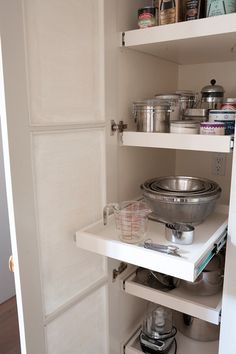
point(169, 249)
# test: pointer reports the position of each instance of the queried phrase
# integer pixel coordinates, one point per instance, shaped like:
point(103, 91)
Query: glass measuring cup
point(131, 218)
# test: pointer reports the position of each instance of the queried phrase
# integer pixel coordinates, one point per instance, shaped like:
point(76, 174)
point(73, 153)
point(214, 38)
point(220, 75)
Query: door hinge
point(118, 127)
point(123, 39)
point(122, 267)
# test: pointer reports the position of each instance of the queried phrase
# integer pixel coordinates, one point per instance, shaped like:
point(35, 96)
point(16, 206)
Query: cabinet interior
point(139, 76)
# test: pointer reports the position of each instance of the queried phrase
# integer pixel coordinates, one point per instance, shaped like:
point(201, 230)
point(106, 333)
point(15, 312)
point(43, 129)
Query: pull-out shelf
point(185, 345)
point(209, 238)
point(195, 142)
point(206, 308)
point(188, 42)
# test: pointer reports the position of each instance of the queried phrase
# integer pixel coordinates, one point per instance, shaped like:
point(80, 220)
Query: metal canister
point(174, 104)
point(226, 117)
point(229, 104)
point(152, 116)
point(180, 101)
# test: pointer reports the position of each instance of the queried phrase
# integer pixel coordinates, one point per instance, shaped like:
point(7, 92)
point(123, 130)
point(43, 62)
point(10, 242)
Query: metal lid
point(213, 90)
point(155, 104)
point(186, 95)
point(169, 97)
point(221, 111)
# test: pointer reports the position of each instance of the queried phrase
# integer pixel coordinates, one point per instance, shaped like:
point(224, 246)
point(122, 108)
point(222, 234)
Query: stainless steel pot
point(210, 281)
point(195, 328)
point(184, 200)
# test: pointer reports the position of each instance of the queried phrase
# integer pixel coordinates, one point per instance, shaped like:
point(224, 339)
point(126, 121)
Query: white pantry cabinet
point(78, 67)
point(200, 49)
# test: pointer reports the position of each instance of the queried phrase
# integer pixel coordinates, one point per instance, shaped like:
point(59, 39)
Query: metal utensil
point(168, 249)
point(182, 234)
point(179, 233)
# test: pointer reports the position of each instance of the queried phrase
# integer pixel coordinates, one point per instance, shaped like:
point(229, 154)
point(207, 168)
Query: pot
point(210, 281)
point(181, 199)
point(195, 328)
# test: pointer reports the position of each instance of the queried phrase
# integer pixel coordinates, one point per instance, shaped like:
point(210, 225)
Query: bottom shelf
point(185, 345)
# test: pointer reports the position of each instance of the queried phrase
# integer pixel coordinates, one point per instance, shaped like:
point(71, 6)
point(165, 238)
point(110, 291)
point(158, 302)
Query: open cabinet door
point(53, 127)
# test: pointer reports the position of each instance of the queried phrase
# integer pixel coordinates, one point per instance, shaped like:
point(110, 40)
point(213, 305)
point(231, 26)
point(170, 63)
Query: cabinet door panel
point(69, 181)
point(82, 329)
point(65, 60)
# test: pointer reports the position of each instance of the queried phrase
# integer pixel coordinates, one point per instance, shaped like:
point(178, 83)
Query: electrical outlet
point(218, 164)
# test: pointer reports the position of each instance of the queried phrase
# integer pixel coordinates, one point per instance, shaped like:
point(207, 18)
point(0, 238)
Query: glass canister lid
point(213, 90)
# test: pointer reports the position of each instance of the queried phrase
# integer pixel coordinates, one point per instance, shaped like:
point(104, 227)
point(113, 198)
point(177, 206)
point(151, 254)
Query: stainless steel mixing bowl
point(181, 199)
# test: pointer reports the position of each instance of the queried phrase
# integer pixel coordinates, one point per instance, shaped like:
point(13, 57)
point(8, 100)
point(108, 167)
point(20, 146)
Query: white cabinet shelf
point(185, 346)
point(206, 40)
point(195, 142)
point(206, 308)
point(105, 241)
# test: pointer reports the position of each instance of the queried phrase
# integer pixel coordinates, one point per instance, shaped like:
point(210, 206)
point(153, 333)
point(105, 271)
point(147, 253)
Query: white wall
point(7, 288)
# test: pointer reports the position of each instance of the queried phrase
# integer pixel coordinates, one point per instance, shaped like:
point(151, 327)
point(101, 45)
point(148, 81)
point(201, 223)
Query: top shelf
point(211, 39)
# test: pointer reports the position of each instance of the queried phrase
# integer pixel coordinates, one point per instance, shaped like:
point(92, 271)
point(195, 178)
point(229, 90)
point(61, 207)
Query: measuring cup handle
point(107, 210)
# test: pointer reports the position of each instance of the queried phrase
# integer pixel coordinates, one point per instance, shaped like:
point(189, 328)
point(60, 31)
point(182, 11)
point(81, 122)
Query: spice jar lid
point(213, 90)
point(149, 9)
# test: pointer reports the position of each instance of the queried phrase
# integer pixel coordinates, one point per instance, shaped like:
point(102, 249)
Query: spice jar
point(169, 11)
point(194, 9)
point(220, 7)
point(147, 17)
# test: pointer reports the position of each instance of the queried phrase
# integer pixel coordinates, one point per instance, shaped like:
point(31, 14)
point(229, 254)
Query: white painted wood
point(66, 165)
point(195, 142)
point(205, 40)
point(206, 308)
point(7, 288)
point(65, 55)
point(19, 181)
point(228, 328)
point(78, 331)
point(105, 240)
point(185, 346)
point(37, 213)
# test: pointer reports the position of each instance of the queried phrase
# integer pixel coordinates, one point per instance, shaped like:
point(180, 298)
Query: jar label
point(220, 7)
